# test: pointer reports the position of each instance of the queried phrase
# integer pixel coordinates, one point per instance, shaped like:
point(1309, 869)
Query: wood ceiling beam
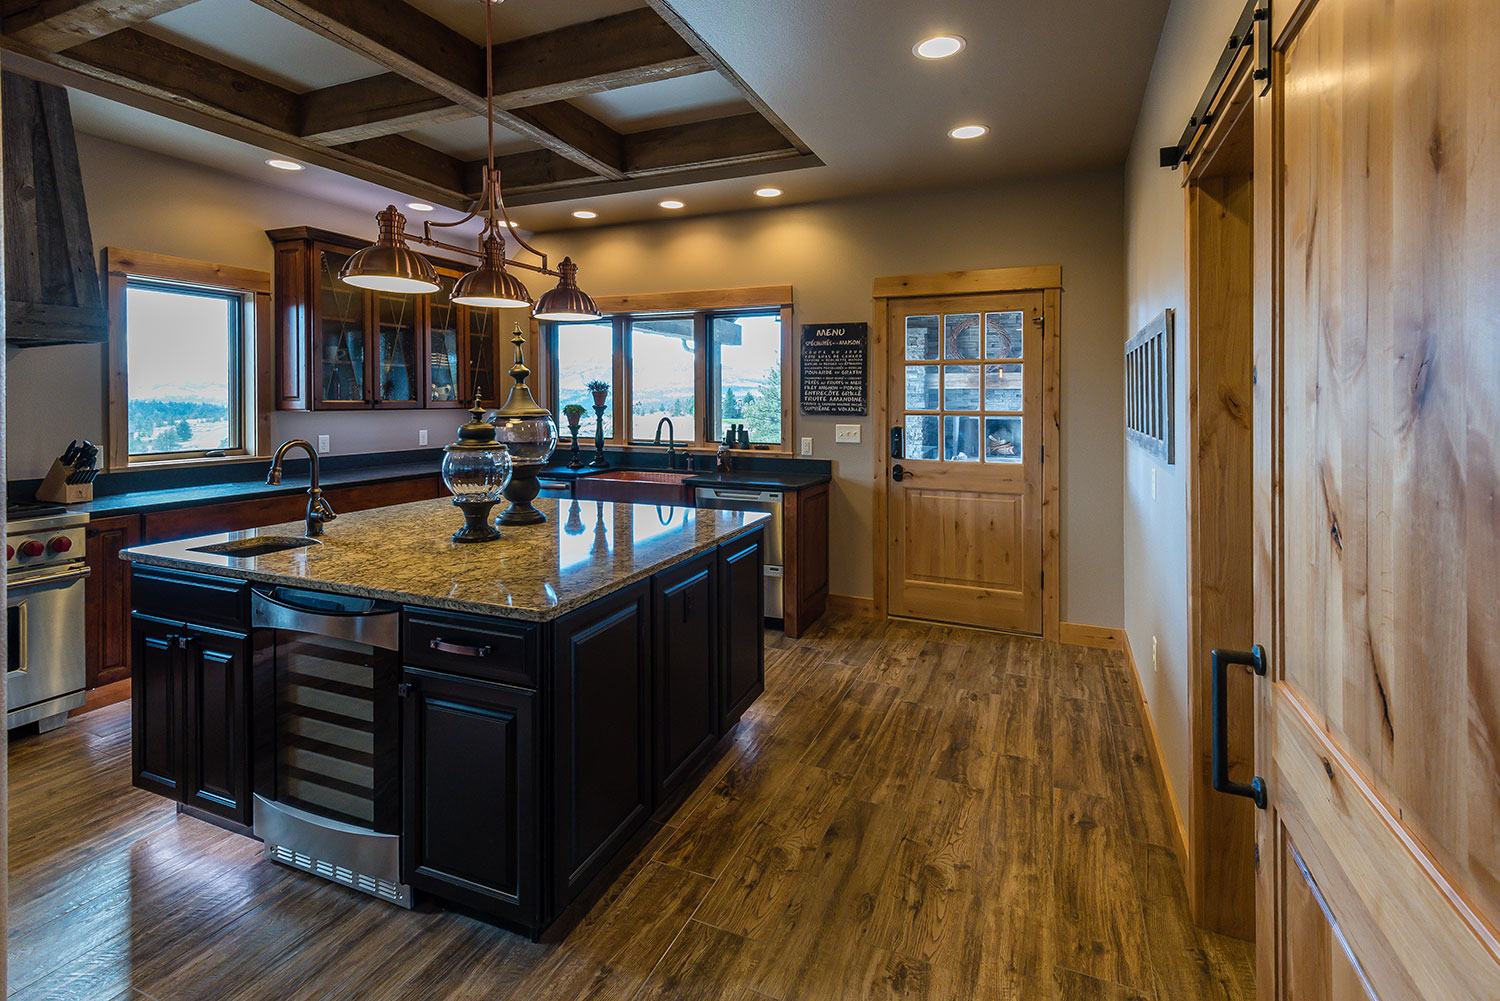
point(55, 25)
point(375, 106)
point(427, 52)
point(746, 138)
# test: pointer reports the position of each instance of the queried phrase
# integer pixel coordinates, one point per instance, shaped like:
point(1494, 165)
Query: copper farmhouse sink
point(636, 486)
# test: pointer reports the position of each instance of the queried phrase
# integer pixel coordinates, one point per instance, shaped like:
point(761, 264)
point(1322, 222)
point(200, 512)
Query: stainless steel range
point(45, 568)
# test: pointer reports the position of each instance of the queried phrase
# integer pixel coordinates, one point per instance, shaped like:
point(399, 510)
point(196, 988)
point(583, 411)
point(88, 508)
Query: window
point(704, 369)
point(183, 339)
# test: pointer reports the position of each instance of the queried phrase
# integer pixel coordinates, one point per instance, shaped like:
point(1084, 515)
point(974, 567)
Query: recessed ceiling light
point(585, 214)
point(671, 203)
point(280, 164)
point(939, 46)
point(967, 132)
point(419, 206)
point(768, 192)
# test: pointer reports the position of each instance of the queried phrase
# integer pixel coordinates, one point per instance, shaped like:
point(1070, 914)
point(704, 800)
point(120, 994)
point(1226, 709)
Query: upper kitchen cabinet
point(344, 348)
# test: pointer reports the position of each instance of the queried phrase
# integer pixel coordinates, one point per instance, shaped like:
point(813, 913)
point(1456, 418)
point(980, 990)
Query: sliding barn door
point(1378, 576)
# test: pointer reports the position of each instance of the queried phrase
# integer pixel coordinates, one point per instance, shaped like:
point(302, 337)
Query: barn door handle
point(1255, 659)
point(899, 473)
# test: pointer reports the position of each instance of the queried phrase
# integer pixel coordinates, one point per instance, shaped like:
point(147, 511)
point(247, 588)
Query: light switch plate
point(323, 443)
point(422, 437)
point(807, 446)
point(847, 434)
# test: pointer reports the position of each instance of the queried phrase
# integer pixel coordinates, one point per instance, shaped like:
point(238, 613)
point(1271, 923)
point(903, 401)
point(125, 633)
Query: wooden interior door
point(1378, 559)
point(963, 488)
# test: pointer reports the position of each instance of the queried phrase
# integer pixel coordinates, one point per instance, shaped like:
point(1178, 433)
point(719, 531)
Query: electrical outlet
point(1155, 664)
point(847, 434)
point(1153, 483)
point(807, 446)
point(323, 444)
point(422, 437)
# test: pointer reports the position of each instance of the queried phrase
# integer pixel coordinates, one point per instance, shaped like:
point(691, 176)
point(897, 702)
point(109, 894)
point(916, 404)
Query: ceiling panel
point(665, 102)
point(519, 18)
point(465, 139)
point(248, 37)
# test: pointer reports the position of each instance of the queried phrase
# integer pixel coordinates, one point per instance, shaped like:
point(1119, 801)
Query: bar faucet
point(318, 509)
point(671, 441)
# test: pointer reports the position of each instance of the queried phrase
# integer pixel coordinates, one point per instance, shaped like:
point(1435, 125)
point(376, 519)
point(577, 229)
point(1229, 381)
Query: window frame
point(621, 311)
point(253, 388)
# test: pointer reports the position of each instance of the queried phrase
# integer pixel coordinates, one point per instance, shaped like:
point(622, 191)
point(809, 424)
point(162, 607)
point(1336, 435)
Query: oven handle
point(63, 576)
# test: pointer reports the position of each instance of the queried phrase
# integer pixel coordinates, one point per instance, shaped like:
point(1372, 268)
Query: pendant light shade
point(389, 265)
point(490, 285)
point(567, 301)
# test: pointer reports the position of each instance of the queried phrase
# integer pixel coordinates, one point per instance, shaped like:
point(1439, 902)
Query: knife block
point(56, 488)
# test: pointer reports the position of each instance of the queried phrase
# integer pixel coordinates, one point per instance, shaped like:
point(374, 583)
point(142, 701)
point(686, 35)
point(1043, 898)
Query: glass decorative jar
point(528, 431)
point(476, 469)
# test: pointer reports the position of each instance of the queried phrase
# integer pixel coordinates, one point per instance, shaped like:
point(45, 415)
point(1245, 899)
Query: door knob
point(899, 472)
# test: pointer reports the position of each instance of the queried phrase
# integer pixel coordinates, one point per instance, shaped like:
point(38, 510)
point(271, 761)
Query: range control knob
point(10, 552)
point(61, 544)
point(31, 548)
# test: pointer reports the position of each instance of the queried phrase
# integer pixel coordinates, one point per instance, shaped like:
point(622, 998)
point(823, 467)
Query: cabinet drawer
point(207, 601)
point(488, 649)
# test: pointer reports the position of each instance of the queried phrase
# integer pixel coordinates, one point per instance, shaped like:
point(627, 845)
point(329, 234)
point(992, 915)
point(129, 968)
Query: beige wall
point(830, 252)
point(1155, 528)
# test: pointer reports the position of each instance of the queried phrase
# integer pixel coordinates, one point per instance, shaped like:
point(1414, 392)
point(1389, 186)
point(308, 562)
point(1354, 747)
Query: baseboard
point(848, 604)
point(1082, 634)
point(1178, 829)
point(105, 695)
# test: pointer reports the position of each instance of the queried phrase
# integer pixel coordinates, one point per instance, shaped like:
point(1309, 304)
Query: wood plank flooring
point(910, 811)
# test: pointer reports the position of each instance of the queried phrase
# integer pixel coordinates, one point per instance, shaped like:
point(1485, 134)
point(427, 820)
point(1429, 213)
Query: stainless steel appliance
point(768, 501)
point(328, 792)
point(44, 610)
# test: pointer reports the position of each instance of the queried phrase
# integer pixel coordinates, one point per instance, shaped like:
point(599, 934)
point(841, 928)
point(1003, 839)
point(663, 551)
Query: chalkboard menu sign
point(835, 367)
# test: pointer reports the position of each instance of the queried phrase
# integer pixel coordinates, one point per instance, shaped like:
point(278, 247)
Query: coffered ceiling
point(608, 104)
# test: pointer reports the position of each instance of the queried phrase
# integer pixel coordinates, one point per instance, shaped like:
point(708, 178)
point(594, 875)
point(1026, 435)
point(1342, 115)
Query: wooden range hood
point(52, 292)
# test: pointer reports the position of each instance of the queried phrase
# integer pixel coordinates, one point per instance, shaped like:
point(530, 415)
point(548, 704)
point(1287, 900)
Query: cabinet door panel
point(155, 705)
point(470, 773)
point(107, 621)
point(742, 627)
point(216, 690)
point(685, 630)
point(601, 719)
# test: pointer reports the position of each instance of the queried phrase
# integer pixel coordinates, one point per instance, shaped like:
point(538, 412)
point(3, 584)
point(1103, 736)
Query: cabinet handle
point(403, 690)
point(1219, 661)
point(458, 649)
point(183, 641)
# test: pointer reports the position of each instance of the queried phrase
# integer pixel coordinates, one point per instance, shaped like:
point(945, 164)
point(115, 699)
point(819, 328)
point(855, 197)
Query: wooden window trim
point(700, 305)
point(257, 370)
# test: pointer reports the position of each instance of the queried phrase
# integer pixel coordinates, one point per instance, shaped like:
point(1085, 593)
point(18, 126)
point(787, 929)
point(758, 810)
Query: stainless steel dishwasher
point(768, 501)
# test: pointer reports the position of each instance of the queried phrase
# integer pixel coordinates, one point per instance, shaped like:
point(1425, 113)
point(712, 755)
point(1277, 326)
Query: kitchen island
point(493, 724)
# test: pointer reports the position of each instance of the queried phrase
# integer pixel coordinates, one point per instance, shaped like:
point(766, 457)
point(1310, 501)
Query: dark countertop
point(405, 553)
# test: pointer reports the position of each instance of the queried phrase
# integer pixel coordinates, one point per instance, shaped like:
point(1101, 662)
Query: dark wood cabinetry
point(107, 591)
point(155, 706)
point(685, 631)
point(601, 725)
point(470, 820)
point(804, 590)
point(343, 348)
point(742, 627)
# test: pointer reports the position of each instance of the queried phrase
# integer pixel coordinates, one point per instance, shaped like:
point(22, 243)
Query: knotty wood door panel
point(1379, 347)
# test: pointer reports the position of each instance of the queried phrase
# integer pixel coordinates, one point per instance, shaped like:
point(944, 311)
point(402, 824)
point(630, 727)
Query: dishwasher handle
point(766, 497)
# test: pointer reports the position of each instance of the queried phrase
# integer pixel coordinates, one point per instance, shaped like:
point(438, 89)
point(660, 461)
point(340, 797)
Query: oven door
point(44, 661)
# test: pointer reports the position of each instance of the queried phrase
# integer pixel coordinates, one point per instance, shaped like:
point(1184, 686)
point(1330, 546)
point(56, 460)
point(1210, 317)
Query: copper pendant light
point(390, 265)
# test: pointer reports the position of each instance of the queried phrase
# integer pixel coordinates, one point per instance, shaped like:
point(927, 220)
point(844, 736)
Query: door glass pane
point(961, 335)
point(961, 439)
point(398, 346)
point(960, 387)
point(1002, 387)
point(342, 337)
point(1002, 439)
point(747, 373)
point(442, 377)
point(921, 436)
point(922, 387)
point(921, 338)
point(585, 354)
point(1003, 334)
point(663, 377)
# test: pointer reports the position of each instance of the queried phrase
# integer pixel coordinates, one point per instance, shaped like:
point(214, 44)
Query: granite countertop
point(142, 501)
point(404, 553)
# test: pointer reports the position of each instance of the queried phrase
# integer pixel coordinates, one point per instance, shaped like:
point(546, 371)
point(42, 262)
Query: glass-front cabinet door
point(341, 336)
point(443, 387)
point(397, 377)
point(481, 355)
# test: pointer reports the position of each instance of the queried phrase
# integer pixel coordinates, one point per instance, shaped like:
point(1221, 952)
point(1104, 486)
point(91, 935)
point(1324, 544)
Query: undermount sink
point(636, 486)
point(260, 545)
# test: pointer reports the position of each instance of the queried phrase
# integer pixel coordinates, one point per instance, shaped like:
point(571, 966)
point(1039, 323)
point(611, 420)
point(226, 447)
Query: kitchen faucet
point(318, 509)
point(671, 441)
